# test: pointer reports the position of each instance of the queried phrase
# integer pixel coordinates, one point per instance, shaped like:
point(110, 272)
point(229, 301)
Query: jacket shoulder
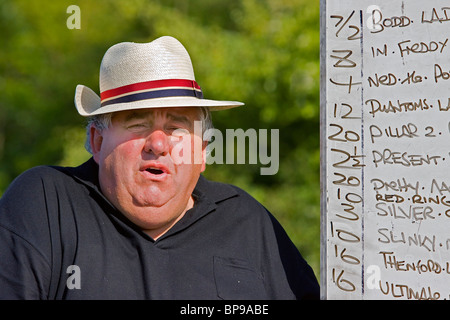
point(33, 178)
point(24, 205)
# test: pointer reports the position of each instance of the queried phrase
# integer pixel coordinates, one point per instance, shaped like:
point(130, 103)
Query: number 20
point(349, 135)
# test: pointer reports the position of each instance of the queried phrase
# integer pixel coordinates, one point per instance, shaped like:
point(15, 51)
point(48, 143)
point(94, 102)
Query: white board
point(385, 139)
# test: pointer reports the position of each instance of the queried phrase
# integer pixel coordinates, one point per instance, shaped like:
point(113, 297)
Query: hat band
point(151, 90)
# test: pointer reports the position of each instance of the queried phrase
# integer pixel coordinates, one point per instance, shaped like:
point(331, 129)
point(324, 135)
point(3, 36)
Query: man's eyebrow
point(140, 115)
point(136, 115)
point(179, 118)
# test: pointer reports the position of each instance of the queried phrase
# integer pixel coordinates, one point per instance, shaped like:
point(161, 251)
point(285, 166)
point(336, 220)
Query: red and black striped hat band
point(151, 90)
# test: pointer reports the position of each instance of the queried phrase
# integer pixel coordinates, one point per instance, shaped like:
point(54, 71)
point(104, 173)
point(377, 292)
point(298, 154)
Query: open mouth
point(154, 171)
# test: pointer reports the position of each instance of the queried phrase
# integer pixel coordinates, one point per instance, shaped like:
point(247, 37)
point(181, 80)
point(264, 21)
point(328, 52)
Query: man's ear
point(96, 140)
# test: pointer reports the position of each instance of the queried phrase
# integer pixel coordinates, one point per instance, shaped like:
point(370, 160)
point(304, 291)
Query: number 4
point(349, 84)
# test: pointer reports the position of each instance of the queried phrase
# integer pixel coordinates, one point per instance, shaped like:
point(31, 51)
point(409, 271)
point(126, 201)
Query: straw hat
point(157, 74)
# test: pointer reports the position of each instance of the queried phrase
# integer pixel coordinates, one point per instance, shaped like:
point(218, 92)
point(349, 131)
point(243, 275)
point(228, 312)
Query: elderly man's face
point(149, 163)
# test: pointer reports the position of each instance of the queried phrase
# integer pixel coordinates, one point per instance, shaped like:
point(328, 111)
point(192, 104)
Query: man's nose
point(157, 143)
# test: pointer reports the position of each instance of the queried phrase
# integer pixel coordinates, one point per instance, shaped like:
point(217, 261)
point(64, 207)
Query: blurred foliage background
point(262, 52)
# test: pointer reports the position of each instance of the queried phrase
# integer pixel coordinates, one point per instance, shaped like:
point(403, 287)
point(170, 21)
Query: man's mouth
point(154, 171)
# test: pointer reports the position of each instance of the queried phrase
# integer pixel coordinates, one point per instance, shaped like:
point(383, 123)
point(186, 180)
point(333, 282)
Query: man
point(138, 221)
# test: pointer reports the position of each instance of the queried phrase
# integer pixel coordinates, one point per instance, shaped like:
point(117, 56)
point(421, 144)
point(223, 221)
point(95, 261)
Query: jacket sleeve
point(286, 273)
point(299, 274)
point(24, 239)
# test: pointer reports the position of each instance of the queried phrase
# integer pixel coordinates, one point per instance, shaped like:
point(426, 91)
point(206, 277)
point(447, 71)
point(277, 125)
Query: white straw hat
point(157, 74)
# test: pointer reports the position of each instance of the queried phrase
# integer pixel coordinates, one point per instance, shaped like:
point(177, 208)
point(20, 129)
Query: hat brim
point(88, 103)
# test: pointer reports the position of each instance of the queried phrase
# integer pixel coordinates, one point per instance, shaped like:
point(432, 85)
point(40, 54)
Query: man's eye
point(137, 126)
point(173, 128)
point(177, 131)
